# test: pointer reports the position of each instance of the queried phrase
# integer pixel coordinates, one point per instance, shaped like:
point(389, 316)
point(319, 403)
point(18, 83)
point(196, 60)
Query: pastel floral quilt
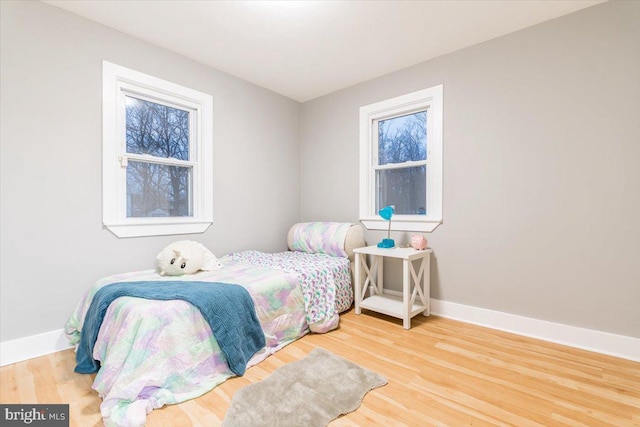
point(155, 353)
point(325, 282)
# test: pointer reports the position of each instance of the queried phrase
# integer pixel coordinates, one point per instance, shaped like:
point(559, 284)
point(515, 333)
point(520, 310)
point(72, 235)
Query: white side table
point(370, 277)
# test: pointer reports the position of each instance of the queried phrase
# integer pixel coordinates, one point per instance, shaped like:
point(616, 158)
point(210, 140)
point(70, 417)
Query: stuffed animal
point(418, 241)
point(186, 257)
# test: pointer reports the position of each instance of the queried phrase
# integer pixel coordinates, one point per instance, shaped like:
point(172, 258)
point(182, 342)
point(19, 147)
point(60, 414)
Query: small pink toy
point(418, 241)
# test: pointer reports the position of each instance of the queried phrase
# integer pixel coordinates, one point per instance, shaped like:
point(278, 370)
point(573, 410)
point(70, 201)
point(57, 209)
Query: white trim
point(149, 229)
point(421, 226)
point(32, 346)
point(430, 99)
point(587, 339)
point(119, 82)
point(615, 345)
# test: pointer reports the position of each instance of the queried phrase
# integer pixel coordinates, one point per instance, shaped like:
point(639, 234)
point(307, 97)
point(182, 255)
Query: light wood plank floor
point(441, 372)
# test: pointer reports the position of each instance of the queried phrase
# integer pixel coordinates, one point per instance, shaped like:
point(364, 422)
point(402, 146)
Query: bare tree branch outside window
point(160, 131)
point(402, 139)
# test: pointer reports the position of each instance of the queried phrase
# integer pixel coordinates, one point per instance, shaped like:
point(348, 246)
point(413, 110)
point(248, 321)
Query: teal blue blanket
point(227, 308)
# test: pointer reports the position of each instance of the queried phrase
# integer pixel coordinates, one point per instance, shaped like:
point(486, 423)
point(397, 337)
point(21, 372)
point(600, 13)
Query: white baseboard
point(32, 346)
point(587, 339)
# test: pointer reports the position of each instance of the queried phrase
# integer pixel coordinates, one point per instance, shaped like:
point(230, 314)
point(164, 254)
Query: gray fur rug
point(310, 392)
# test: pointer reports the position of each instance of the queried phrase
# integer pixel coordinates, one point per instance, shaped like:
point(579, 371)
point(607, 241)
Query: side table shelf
point(414, 298)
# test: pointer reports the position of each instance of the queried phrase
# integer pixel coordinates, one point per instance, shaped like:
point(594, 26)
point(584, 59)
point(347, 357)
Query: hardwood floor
point(441, 372)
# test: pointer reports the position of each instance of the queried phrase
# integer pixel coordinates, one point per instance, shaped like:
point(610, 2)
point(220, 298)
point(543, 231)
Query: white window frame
point(430, 100)
point(117, 82)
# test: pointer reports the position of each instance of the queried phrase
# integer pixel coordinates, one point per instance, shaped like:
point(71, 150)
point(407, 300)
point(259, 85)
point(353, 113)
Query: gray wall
point(542, 184)
point(53, 246)
point(541, 172)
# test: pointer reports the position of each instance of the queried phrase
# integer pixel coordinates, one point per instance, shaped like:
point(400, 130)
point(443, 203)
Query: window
point(157, 155)
point(401, 161)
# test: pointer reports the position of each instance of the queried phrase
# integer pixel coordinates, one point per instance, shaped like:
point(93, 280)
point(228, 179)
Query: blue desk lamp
point(387, 213)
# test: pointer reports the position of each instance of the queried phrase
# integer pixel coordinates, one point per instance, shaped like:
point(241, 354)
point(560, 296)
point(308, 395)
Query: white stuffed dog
point(186, 257)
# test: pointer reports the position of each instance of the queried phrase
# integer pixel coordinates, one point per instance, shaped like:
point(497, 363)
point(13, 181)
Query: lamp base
point(387, 243)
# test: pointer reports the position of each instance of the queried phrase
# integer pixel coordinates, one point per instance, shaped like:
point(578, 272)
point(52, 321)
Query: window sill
point(421, 226)
point(140, 230)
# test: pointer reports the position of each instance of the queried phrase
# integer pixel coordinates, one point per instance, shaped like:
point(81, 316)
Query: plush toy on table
point(418, 242)
point(186, 257)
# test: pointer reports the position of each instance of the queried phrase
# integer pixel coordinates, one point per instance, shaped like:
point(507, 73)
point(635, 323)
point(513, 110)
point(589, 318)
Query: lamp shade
point(387, 212)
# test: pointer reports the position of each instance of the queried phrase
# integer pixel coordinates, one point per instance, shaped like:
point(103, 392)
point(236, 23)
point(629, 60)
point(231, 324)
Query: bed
point(153, 353)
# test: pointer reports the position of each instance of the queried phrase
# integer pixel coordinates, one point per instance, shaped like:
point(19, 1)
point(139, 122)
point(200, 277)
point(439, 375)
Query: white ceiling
point(306, 49)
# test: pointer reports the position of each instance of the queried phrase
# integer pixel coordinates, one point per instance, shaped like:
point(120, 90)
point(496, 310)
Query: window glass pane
point(158, 190)
point(156, 129)
point(402, 138)
point(406, 188)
